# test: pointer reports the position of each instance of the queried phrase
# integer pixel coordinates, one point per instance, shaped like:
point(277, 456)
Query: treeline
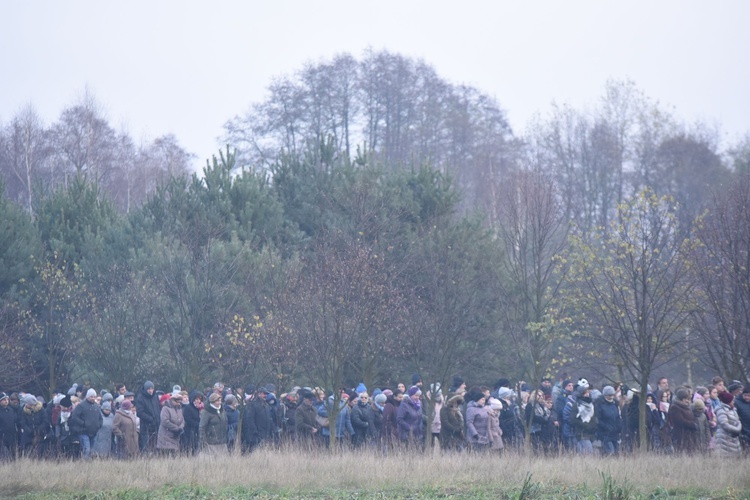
point(374, 220)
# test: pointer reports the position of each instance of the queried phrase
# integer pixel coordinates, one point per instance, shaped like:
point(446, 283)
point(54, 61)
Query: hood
point(456, 400)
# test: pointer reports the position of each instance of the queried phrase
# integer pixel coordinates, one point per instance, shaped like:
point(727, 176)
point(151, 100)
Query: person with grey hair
point(102, 446)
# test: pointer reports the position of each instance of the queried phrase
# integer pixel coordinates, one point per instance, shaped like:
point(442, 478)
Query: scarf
point(585, 410)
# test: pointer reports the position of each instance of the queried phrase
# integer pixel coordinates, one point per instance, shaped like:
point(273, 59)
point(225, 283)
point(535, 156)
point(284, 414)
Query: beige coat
point(125, 429)
point(171, 425)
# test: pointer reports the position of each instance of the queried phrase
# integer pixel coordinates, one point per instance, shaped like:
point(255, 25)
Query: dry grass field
point(292, 474)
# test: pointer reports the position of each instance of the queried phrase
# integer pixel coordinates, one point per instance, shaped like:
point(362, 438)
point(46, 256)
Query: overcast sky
point(186, 67)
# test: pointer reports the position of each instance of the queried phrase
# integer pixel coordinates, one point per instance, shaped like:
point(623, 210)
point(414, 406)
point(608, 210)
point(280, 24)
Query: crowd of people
point(569, 416)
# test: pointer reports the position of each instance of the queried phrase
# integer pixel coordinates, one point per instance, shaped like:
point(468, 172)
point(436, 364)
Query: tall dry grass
point(293, 470)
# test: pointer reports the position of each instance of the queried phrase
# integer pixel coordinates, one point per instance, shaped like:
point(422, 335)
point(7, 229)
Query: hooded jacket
point(148, 410)
point(213, 426)
point(256, 422)
point(610, 421)
point(8, 421)
point(683, 424)
point(171, 425)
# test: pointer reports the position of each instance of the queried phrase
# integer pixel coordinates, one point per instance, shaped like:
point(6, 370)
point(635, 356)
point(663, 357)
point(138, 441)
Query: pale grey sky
point(186, 67)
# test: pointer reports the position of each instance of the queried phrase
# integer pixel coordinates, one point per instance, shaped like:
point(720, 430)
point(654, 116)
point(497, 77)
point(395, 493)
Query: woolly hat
point(270, 388)
point(91, 393)
point(458, 381)
point(414, 390)
point(119, 399)
point(608, 391)
point(126, 405)
point(582, 382)
point(504, 393)
point(148, 385)
point(164, 398)
point(381, 399)
point(566, 382)
point(176, 388)
point(725, 397)
point(734, 386)
point(388, 392)
point(699, 405)
point(250, 389)
point(66, 402)
point(72, 390)
point(107, 406)
point(30, 400)
point(3, 396)
point(746, 390)
point(176, 394)
point(107, 397)
point(55, 401)
point(416, 378)
point(581, 390)
point(361, 388)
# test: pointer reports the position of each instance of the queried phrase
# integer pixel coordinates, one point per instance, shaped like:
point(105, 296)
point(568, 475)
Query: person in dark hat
point(257, 425)
point(149, 413)
point(727, 438)
point(416, 380)
point(742, 406)
point(191, 412)
point(306, 423)
point(8, 421)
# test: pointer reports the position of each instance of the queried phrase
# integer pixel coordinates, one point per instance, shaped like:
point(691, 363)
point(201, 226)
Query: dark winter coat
point(32, 425)
point(233, 420)
point(743, 412)
point(256, 423)
point(581, 429)
point(192, 416)
point(511, 424)
point(213, 426)
point(363, 422)
point(171, 426)
point(149, 411)
point(86, 418)
point(683, 424)
point(610, 421)
point(8, 431)
point(390, 419)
